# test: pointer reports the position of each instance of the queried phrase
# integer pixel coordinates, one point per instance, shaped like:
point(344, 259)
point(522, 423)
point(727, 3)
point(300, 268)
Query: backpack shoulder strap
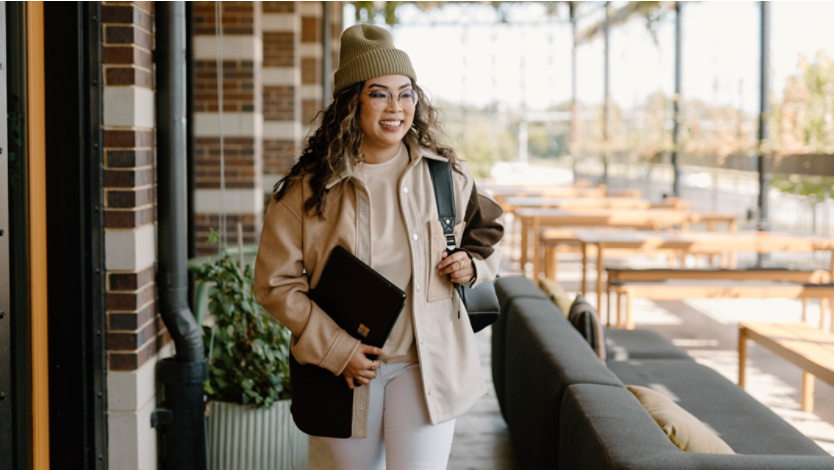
point(444, 194)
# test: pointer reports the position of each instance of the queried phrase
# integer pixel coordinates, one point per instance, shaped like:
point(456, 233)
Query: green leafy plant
point(248, 350)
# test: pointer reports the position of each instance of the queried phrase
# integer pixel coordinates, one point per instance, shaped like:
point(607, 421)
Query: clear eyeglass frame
point(381, 103)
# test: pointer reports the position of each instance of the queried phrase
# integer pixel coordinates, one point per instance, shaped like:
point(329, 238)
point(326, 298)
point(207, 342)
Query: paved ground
point(706, 329)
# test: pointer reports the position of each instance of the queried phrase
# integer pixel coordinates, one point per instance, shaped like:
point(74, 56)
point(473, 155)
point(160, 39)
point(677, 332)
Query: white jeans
point(400, 434)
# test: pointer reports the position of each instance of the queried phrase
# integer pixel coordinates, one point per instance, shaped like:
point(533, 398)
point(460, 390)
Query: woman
point(362, 182)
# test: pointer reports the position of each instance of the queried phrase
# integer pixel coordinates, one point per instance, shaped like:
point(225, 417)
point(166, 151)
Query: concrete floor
point(706, 329)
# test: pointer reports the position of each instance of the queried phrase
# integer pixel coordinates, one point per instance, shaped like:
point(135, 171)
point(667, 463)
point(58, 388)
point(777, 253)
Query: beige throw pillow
point(555, 292)
point(687, 432)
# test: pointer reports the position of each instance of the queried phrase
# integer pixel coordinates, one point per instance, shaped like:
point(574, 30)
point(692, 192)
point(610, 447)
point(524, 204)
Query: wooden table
point(677, 289)
point(577, 203)
point(501, 194)
point(533, 219)
point(726, 244)
point(808, 348)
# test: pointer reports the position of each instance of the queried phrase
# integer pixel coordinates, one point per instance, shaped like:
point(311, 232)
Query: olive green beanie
point(368, 51)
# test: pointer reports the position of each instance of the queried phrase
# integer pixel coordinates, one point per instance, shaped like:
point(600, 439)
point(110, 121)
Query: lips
point(391, 124)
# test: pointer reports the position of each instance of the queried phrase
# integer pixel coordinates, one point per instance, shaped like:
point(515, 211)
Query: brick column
point(135, 334)
point(282, 89)
point(311, 51)
point(242, 57)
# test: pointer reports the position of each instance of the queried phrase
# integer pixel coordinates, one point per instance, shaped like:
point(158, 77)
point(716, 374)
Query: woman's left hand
point(458, 265)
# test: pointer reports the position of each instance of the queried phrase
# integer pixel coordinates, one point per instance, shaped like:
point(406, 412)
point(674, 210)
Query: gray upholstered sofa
point(565, 409)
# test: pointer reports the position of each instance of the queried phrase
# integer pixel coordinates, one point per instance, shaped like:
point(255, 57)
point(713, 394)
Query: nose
point(394, 105)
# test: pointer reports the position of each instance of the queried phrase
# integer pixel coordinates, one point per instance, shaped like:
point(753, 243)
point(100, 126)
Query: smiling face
point(383, 129)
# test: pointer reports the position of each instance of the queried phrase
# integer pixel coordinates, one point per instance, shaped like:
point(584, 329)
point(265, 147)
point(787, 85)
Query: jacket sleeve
point(281, 288)
point(482, 232)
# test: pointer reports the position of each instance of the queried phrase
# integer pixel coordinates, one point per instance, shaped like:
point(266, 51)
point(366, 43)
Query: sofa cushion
point(584, 318)
point(746, 425)
point(544, 355)
point(556, 294)
point(684, 430)
point(603, 427)
point(507, 289)
point(622, 345)
point(513, 287)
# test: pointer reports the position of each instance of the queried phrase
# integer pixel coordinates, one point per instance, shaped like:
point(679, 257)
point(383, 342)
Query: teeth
point(390, 123)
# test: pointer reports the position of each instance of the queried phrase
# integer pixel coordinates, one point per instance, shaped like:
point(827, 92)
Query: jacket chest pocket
point(439, 287)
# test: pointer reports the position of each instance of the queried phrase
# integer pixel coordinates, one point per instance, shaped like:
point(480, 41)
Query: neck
point(375, 154)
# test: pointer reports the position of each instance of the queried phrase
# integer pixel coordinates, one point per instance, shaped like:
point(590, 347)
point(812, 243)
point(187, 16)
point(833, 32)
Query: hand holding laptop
point(361, 370)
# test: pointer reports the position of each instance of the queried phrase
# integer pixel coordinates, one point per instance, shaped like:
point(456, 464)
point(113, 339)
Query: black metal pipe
point(189, 145)
point(172, 277)
point(181, 423)
point(573, 116)
point(607, 97)
point(764, 108)
point(676, 168)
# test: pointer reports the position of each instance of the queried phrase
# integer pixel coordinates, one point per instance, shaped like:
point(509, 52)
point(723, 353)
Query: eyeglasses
point(381, 99)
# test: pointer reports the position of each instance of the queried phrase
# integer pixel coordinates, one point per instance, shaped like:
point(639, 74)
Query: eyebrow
point(385, 87)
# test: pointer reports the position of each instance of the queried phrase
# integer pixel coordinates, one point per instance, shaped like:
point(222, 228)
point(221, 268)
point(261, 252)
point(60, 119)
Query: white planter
point(243, 437)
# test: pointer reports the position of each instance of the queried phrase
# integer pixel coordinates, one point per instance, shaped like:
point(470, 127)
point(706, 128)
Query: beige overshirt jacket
point(293, 241)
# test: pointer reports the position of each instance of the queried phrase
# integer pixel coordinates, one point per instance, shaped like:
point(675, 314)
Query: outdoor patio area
point(706, 328)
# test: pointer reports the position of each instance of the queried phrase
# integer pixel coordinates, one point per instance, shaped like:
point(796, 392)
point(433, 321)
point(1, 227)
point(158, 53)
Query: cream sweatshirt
point(390, 255)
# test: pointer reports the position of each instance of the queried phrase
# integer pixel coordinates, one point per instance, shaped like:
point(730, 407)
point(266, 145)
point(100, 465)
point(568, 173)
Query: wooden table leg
point(733, 226)
point(742, 354)
point(711, 226)
point(524, 235)
point(608, 299)
point(549, 262)
point(831, 304)
point(536, 251)
point(629, 311)
point(584, 267)
point(805, 310)
point(618, 321)
point(807, 392)
point(733, 260)
point(600, 248)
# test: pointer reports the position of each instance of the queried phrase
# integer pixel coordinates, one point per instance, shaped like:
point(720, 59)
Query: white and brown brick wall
point(282, 88)
point(136, 336)
point(241, 62)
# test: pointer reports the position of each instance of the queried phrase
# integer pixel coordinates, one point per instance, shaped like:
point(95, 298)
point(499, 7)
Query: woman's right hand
point(360, 367)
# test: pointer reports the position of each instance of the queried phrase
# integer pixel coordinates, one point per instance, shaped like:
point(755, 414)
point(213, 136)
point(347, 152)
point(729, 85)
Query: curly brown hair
point(338, 139)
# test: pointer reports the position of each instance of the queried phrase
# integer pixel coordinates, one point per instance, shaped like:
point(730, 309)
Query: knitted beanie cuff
point(372, 64)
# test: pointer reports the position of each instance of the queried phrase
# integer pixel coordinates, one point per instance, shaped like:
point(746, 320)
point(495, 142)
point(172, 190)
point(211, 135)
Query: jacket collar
point(416, 152)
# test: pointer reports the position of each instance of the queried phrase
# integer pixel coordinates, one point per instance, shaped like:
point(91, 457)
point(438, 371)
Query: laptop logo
point(363, 330)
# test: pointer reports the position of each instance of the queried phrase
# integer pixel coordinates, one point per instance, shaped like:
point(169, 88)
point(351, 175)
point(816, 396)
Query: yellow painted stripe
point(36, 143)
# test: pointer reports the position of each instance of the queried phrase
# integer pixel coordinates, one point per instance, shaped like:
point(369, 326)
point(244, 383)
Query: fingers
point(366, 349)
point(453, 258)
point(366, 374)
point(349, 382)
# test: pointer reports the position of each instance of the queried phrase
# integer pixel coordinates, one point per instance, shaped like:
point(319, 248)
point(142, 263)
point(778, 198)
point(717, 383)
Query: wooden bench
point(681, 289)
point(808, 348)
point(624, 274)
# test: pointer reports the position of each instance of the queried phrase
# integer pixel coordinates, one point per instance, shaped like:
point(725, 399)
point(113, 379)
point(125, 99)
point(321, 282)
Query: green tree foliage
point(803, 123)
point(248, 350)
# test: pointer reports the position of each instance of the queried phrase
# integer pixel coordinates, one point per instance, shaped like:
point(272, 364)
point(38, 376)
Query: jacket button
point(361, 407)
point(428, 392)
point(405, 190)
point(414, 236)
point(418, 287)
point(421, 340)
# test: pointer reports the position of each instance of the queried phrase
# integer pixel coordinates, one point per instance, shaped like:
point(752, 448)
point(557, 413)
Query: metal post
point(676, 178)
point(606, 100)
point(573, 116)
point(764, 108)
